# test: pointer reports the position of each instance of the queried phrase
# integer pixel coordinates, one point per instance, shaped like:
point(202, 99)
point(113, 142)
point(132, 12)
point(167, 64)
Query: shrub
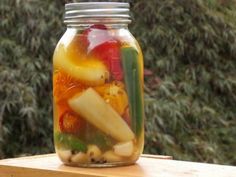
point(190, 50)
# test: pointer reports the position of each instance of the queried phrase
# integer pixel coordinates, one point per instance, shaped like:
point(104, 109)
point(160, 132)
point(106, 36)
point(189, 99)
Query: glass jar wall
point(98, 88)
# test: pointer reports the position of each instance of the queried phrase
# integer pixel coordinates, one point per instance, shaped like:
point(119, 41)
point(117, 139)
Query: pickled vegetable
point(70, 123)
point(124, 149)
point(70, 142)
point(94, 153)
point(110, 156)
point(89, 72)
point(114, 95)
point(64, 155)
point(79, 158)
point(109, 53)
point(101, 115)
point(65, 86)
point(133, 84)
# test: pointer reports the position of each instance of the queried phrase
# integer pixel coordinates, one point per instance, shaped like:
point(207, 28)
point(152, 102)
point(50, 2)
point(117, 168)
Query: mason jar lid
point(97, 12)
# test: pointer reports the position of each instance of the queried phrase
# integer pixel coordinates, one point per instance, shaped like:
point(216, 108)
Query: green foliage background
point(190, 57)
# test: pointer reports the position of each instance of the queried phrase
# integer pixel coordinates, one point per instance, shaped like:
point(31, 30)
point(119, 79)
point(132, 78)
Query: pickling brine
point(98, 90)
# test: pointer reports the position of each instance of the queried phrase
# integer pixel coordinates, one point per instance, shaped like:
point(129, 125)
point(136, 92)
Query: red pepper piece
point(94, 31)
point(99, 26)
point(101, 45)
point(126, 117)
point(69, 122)
point(109, 53)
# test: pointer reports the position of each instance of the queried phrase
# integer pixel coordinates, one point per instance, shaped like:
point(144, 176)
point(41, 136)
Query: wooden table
point(147, 166)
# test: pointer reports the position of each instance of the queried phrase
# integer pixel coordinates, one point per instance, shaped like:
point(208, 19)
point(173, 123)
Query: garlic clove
point(124, 149)
point(94, 153)
point(64, 155)
point(79, 158)
point(110, 156)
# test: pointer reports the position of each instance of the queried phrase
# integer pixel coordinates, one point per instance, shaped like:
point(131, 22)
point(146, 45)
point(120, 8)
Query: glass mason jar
point(98, 87)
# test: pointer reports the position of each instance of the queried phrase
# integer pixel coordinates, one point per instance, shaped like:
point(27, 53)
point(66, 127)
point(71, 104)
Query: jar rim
point(94, 12)
point(106, 4)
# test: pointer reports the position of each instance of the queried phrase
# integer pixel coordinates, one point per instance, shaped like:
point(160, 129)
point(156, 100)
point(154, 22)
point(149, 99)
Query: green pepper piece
point(103, 141)
point(70, 141)
point(133, 83)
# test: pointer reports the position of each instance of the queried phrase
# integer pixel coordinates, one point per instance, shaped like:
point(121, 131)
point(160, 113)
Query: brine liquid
point(98, 99)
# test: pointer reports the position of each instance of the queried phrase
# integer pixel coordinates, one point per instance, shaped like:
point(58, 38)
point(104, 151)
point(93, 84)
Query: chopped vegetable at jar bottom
point(64, 155)
point(79, 157)
point(110, 156)
point(92, 135)
point(69, 141)
point(101, 115)
point(124, 149)
point(94, 153)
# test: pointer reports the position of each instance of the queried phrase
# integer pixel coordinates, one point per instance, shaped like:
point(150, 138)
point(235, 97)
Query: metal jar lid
point(97, 12)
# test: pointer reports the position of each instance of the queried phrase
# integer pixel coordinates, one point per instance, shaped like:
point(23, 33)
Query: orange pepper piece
point(64, 86)
point(115, 95)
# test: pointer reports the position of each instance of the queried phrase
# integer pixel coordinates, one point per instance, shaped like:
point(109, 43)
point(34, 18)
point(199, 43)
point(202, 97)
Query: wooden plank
point(147, 166)
point(157, 156)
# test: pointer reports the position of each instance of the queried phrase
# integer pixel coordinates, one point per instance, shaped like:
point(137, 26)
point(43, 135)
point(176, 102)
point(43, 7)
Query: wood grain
point(147, 166)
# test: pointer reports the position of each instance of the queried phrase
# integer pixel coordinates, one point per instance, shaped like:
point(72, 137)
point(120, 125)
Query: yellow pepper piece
point(88, 71)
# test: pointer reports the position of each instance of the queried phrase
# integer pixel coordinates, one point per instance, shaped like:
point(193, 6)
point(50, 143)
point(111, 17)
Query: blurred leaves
point(28, 37)
point(189, 45)
point(190, 87)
